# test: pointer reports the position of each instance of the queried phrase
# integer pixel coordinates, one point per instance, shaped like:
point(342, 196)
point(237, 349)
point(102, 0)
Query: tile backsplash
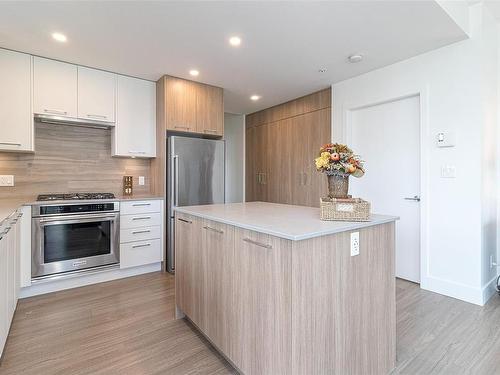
point(70, 159)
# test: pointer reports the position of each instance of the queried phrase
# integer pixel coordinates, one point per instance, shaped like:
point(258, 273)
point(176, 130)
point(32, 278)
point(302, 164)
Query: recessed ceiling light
point(255, 97)
point(194, 72)
point(59, 37)
point(235, 41)
point(355, 58)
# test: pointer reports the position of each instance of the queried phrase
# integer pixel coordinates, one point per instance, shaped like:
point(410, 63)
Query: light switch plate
point(6, 180)
point(448, 171)
point(141, 180)
point(445, 139)
point(354, 243)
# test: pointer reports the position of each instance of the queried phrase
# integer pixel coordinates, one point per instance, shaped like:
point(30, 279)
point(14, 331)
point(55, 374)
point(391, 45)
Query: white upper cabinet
point(96, 95)
point(16, 122)
point(55, 88)
point(135, 130)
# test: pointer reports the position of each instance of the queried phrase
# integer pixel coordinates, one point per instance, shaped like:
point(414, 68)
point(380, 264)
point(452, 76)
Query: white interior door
point(387, 136)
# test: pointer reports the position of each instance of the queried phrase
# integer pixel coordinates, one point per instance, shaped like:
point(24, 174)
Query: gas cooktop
point(74, 196)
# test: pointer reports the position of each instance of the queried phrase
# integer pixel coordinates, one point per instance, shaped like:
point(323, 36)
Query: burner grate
point(74, 196)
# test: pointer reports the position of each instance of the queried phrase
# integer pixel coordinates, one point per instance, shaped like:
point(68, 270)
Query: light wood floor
point(128, 327)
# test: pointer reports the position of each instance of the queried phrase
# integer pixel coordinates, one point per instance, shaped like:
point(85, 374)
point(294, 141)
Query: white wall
point(234, 134)
point(457, 87)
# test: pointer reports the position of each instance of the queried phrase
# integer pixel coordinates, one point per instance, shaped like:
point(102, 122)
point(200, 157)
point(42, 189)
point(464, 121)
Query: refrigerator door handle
point(174, 196)
point(176, 179)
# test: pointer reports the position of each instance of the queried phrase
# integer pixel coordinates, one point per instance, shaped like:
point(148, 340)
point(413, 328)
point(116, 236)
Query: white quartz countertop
point(280, 220)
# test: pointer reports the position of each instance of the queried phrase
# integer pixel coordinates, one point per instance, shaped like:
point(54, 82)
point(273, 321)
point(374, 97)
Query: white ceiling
point(284, 43)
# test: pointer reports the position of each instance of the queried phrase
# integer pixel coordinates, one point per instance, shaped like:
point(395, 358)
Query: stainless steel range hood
point(61, 120)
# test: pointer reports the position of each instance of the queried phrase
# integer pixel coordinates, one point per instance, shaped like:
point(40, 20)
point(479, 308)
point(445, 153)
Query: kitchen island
point(278, 291)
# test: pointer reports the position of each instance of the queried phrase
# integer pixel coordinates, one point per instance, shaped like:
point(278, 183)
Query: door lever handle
point(415, 198)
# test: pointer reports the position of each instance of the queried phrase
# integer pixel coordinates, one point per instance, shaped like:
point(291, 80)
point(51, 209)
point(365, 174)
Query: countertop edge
point(354, 226)
point(15, 204)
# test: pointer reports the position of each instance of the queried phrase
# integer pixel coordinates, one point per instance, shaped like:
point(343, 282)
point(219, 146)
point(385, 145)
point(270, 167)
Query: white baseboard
point(489, 289)
point(49, 286)
point(459, 291)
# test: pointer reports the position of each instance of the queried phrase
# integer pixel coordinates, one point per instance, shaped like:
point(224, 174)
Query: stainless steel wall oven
point(74, 236)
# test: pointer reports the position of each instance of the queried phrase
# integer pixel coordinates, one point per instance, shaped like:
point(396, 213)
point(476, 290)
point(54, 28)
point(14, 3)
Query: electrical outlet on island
point(354, 243)
point(141, 181)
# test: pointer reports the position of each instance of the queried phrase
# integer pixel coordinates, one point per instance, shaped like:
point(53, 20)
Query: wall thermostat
point(445, 139)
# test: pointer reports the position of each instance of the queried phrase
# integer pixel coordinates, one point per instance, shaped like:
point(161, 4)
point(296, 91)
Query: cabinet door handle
point(142, 218)
point(185, 221)
point(140, 231)
point(182, 127)
point(415, 198)
point(141, 204)
point(55, 111)
point(210, 131)
point(97, 116)
point(264, 245)
point(305, 178)
point(10, 144)
point(142, 245)
point(213, 229)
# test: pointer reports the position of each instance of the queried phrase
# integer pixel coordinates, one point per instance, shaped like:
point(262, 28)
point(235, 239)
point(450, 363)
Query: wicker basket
point(351, 209)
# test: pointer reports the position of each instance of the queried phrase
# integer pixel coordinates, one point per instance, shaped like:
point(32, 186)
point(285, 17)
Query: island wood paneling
point(261, 333)
point(70, 159)
point(291, 307)
point(281, 144)
point(218, 254)
point(344, 302)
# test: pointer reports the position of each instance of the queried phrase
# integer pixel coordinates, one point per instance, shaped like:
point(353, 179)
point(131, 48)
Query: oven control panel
point(76, 208)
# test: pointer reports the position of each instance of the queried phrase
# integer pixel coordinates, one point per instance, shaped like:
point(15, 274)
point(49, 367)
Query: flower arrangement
point(338, 159)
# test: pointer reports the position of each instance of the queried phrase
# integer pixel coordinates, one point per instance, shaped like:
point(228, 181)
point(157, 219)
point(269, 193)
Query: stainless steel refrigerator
point(195, 176)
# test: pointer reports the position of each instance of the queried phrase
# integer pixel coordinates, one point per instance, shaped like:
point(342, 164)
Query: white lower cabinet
point(141, 233)
point(140, 253)
point(9, 273)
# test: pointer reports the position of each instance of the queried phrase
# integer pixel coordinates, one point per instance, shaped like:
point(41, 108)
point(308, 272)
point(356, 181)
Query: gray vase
point(338, 186)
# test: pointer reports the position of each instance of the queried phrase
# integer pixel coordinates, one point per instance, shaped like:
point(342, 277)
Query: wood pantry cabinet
point(281, 145)
point(191, 107)
point(278, 306)
point(184, 107)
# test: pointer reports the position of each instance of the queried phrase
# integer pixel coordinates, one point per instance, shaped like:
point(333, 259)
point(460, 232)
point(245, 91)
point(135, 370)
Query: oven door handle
point(77, 218)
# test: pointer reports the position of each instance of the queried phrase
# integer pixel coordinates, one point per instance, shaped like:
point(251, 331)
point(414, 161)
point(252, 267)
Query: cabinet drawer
point(139, 234)
point(140, 253)
point(140, 220)
point(140, 207)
